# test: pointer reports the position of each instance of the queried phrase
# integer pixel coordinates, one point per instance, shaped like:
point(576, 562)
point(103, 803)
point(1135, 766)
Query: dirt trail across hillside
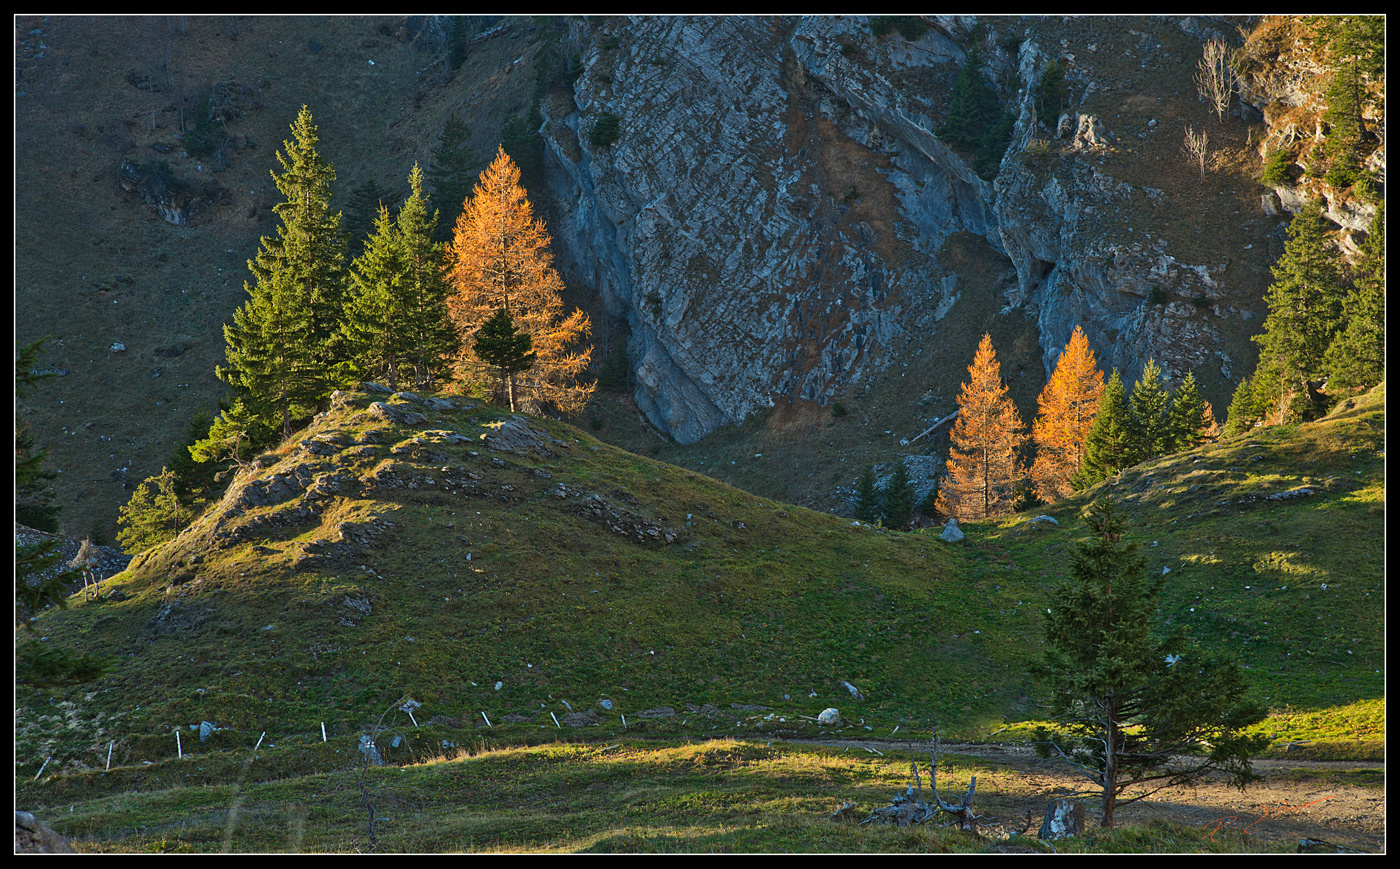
point(1296, 800)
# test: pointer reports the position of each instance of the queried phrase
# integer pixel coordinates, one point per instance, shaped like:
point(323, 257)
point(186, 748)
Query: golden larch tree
point(983, 462)
point(499, 259)
point(1068, 405)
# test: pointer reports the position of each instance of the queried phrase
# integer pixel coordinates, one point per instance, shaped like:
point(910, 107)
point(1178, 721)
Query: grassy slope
point(560, 608)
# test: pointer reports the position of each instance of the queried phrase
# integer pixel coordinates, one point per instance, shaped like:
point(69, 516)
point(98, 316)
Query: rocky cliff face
point(770, 215)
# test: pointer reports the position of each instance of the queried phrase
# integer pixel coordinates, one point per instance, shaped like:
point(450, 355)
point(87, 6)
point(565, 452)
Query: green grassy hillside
point(515, 570)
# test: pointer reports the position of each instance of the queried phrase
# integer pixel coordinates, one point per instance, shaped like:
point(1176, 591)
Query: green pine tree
point(1243, 412)
point(1355, 361)
point(1305, 307)
point(280, 349)
point(234, 434)
point(975, 122)
point(1106, 447)
point(452, 174)
point(432, 338)
point(1135, 707)
point(1186, 426)
point(500, 345)
point(272, 364)
point(867, 496)
point(361, 211)
point(899, 498)
point(376, 319)
point(154, 515)
point(1148, 406)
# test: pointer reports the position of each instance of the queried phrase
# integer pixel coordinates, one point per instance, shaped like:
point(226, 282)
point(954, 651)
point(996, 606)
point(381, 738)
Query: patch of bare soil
point(1342, 803)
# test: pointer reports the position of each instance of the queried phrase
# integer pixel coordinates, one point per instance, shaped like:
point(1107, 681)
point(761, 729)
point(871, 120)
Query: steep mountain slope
point(775, 228)
point(512, 570)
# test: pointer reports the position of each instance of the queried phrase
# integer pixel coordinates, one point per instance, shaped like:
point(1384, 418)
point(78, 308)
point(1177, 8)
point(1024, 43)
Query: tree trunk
point(1110, 765)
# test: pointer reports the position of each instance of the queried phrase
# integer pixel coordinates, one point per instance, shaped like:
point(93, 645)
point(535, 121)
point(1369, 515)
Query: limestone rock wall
point(769, 217)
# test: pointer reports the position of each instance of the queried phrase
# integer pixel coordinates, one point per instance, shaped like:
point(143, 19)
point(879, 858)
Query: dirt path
point(1337, 802)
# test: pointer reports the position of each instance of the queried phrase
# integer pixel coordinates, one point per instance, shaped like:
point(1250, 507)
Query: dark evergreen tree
point(1135, 708)
point(362, 210)
point(194, 480)
point(375, 322)
point(154, 515)
point(975, 122)
point(499, 344)
point(233, 435)
point(898, 506)
point(1355, 50)
point(280, 349)
point(272, 362)
point(451, 175)
point(1148, 431)
point(1356, 358)
point(34, 502)
point(1106, 447)
point(867, 496)
point(1243, 412)
point(40, 580)
point(432, 338)
point(1186, 426)
point(1305, 305)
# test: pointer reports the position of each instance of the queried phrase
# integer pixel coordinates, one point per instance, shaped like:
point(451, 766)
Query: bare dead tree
point(1194, 146)
point(1215, 81)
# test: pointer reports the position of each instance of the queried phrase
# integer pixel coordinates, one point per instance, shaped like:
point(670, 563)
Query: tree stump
point(1062, 818)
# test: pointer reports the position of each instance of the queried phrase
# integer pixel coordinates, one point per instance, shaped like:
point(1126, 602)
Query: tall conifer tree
point(451, 174)
point(499, 259)
point(1190, 422)
point(983, 458)
point(432, 336)
point(1106, 447)
point(899, 497)
point(867, 495)
point(279, 350)
point(1068, 405)
point(1305, 306)
point(376, 317)
point(1356, 358)
point(1148, 406)
point(1139, 708)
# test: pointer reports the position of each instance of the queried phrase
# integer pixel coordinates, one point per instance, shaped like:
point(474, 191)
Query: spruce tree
point(1135, 708)
point(1190, 421)
point(1243, 411)
point(499, 345)
point(361, 211)
point(899, 497)
point(451, 174)
point(1355, 360)
point(1305, 307)
point(432, 339)
point(272, 363)
point(867, 496)
point(1106, 446)
point(376, 316)
point(40, 580)
point(34, 502)
point(154, 515)
point(279, 349)
point(1148, 435)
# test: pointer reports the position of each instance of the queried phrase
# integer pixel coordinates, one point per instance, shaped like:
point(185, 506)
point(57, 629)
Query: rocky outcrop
point(769, 216)
point(168, 196)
